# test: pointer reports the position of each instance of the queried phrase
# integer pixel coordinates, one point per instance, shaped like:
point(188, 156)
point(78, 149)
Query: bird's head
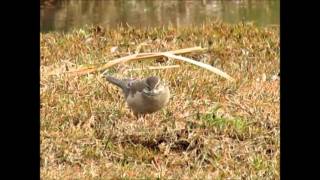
point(153, 86)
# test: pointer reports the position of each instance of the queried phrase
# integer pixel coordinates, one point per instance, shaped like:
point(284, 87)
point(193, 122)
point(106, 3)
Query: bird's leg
point(152, 119)
point(140, 117)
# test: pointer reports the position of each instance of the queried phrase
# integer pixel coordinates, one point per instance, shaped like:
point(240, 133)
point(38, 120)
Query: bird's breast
point(142, 103)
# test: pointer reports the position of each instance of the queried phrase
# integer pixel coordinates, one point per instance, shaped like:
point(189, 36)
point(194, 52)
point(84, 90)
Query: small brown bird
point(143, 96)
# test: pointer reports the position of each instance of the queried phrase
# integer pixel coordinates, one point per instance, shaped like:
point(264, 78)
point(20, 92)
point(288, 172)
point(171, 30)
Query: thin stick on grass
point(154, 68)
point(125, 59)
point(169, 54)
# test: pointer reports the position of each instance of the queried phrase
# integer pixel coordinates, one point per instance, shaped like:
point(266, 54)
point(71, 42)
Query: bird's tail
point(117, 82)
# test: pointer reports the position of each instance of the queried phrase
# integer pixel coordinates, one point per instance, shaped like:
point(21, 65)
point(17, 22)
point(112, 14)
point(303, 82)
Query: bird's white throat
point(155, 91)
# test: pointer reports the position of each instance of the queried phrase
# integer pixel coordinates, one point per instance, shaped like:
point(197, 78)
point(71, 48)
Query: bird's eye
point(147, 88)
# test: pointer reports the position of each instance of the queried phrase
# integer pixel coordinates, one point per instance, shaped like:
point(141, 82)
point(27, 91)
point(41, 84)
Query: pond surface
point(65, 15)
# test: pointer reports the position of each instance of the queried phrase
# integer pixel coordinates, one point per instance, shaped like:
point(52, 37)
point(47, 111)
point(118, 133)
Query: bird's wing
point(136, 86)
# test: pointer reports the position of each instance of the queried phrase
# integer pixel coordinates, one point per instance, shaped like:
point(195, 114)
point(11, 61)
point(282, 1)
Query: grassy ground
point(210, 129)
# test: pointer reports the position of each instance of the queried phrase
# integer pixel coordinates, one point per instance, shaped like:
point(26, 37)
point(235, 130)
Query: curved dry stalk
point(203, 65)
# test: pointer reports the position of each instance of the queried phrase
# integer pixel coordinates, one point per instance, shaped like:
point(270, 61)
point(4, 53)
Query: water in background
point(64, 15)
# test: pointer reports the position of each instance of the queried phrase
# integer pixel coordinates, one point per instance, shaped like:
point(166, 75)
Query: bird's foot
point(140, 117)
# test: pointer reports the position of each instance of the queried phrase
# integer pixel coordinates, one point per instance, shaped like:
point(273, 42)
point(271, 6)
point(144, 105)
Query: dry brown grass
point(210, 129)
